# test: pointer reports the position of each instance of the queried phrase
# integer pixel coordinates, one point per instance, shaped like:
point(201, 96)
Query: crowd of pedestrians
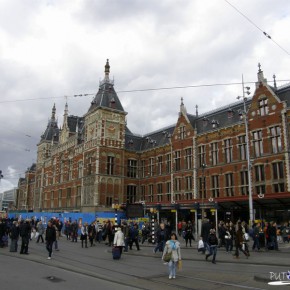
point(234, 238)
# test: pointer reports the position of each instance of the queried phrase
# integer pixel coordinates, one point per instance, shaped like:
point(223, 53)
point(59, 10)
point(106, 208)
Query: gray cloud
point(52, 49)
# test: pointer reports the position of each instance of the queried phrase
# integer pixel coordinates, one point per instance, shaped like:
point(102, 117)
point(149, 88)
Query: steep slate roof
point(106, 95)
point(283, 93)
point(224, 116)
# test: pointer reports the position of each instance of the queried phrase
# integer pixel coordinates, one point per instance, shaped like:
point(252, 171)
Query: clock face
point(111, 131)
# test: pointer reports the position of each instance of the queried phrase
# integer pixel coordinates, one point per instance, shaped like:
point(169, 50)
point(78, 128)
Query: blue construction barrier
point(71, 216)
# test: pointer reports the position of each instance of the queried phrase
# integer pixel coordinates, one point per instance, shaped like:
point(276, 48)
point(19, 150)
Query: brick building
point(199, 163)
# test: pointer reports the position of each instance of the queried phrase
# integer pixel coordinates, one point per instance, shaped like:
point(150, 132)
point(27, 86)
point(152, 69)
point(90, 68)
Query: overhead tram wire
point(139, 90)
point(254, 24)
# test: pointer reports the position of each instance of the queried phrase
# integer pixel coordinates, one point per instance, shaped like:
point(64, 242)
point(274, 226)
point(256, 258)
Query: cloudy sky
point(50, 49)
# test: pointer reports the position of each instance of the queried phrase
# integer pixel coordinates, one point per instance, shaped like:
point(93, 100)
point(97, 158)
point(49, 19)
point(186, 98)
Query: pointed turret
point(106, 96)
point(52, 131)
point(65, 115)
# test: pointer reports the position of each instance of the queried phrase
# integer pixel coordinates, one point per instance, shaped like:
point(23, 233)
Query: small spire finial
point(259, 66)
point(274, 77)
point(196, 110)
point(53, 112)
point(107, 68)
point(182, 101)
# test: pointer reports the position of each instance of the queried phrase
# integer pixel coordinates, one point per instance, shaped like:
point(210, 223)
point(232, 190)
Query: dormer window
point(230, 113)
point(112, 103)
point(214, 123)
point(205, 121)
point(263, 107)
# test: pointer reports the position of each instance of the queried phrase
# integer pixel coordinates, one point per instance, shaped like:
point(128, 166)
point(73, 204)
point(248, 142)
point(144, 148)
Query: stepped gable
point(52, 130)
point(106, 96)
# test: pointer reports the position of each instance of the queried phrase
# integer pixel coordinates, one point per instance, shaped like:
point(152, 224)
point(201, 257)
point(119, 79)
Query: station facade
point(198, 166)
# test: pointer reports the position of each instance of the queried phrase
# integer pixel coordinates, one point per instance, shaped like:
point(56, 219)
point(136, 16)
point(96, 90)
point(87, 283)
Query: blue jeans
point(212, 252)
point(160, 246)
point(172, 268)
point(273, 241)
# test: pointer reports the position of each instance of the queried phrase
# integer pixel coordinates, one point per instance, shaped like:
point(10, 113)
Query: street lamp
point(246, 91)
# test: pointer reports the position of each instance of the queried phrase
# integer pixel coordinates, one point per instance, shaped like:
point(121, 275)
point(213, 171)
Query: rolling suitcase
point(116, 253)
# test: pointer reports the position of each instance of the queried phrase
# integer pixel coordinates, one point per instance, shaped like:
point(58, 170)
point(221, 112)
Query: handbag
point(167, 257)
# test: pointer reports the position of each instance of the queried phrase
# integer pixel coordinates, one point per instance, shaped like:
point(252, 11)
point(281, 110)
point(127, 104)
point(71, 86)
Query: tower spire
point(107, 70)
point(53, 112)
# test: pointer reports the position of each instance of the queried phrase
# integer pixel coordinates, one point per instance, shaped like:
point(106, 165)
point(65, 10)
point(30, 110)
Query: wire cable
point(140, 90)
point(254, 24)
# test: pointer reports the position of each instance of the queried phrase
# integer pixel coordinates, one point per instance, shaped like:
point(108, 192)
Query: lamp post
point(246, 91)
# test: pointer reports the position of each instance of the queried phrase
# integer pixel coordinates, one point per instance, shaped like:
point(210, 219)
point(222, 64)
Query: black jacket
point(14, 232)
point(50, 234)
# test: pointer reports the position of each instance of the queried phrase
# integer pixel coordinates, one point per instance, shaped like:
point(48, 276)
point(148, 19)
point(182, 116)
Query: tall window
point(52, 199)
point(278, 177)
point(78, 197)
point(132, 168)
point(131, 193)
point(260, 179)
point(168, 163)
point(159, 192)
point(159, 165)
point(150, 192)
point(159, 188)
point(276, 141)
point(258, 143)
point(59, 198)
point(244, 182)
point(214, 153)
point(201, 155)
point(89, 166)
point(151, 167)
point(188, 183)
point(263, 107)
point(215, 191)
point(188, 158)
point(142, 173)
point(168, 187)
point(228, 150)
point(177, 160)
point(68, 197)
point(70, 169)
point(80, 169)
point(177, 184)
point(143, 192)
point(202, 187)
point(182, 132)
point(110, 165)
point(242, 147)
point(259, 173)
point(229, 184)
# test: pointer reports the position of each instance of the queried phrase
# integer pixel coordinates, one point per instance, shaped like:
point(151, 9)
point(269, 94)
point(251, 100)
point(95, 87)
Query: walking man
point(50, 238)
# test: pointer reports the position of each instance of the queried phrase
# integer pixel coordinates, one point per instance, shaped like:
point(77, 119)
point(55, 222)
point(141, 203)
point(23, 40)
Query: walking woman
point(239, 242)
point(172, 246)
